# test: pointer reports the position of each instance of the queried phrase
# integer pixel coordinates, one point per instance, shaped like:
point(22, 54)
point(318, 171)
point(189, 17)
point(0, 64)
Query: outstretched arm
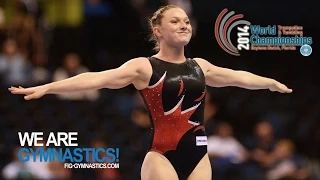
point(222, 77)
point(113, 79)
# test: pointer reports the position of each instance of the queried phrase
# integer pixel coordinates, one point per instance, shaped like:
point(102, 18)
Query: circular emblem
point(306, 50)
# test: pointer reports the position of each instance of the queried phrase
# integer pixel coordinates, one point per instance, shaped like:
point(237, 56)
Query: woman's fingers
point(30, 93)
point(20, 90)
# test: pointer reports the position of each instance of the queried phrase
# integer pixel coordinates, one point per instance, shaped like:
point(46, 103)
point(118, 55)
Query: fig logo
point(223, 27)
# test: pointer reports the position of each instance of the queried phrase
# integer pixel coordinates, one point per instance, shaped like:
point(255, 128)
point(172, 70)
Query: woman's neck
point(171, 54)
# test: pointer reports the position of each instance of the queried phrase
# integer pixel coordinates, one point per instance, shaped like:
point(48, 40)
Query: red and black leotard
point(175, 101)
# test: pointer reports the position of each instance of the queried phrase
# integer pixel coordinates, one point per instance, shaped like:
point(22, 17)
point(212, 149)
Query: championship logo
point(258, 37)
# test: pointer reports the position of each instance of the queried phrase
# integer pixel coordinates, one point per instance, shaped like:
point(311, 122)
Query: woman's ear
point(156, 31)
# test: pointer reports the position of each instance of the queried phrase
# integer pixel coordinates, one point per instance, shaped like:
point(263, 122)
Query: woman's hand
point(30, 93)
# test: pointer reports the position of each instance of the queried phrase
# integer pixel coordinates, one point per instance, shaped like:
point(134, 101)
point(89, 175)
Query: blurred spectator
point(139, 114)
point(282, 163)
point(45, 170)
point(210, 111)
point(31, 5)
point(72, 67)
point(40, 74)
point(62, 23)
point(140, 117)
point(16, 169)
point(14, 68)
point(263, 142)
point(1, 18)
point(260, 147)
point(39, 169)
point(29, 38)
point(225, 152)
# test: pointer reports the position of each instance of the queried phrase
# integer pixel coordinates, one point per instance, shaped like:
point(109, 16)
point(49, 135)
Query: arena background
point(105, 34)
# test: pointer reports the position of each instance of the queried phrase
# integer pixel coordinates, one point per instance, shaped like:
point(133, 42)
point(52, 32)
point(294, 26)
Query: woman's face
point(175, 29)
point(10, 47)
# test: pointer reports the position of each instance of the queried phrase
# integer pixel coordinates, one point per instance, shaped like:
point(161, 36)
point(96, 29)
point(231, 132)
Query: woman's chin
point(179, 43)
point(183, 42)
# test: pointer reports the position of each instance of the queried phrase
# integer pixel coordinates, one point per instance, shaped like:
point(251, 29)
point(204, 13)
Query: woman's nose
point(183, 26)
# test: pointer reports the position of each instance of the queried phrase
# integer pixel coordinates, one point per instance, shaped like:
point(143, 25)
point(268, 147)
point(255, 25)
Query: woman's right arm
point(128, 73)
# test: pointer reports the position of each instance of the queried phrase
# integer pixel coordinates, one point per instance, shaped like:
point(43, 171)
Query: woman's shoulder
point(141, 64)
point(204, 64)
point(139, 60)
point(199, 60)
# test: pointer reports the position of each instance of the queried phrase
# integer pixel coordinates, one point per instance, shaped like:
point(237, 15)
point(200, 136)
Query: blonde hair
point(156, 20)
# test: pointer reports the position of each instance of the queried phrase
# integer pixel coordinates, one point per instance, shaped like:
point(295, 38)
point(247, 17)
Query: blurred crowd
point(251, 135)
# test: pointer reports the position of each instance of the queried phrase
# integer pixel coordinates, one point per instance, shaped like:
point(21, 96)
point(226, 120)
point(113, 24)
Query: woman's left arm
point(223, 77)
